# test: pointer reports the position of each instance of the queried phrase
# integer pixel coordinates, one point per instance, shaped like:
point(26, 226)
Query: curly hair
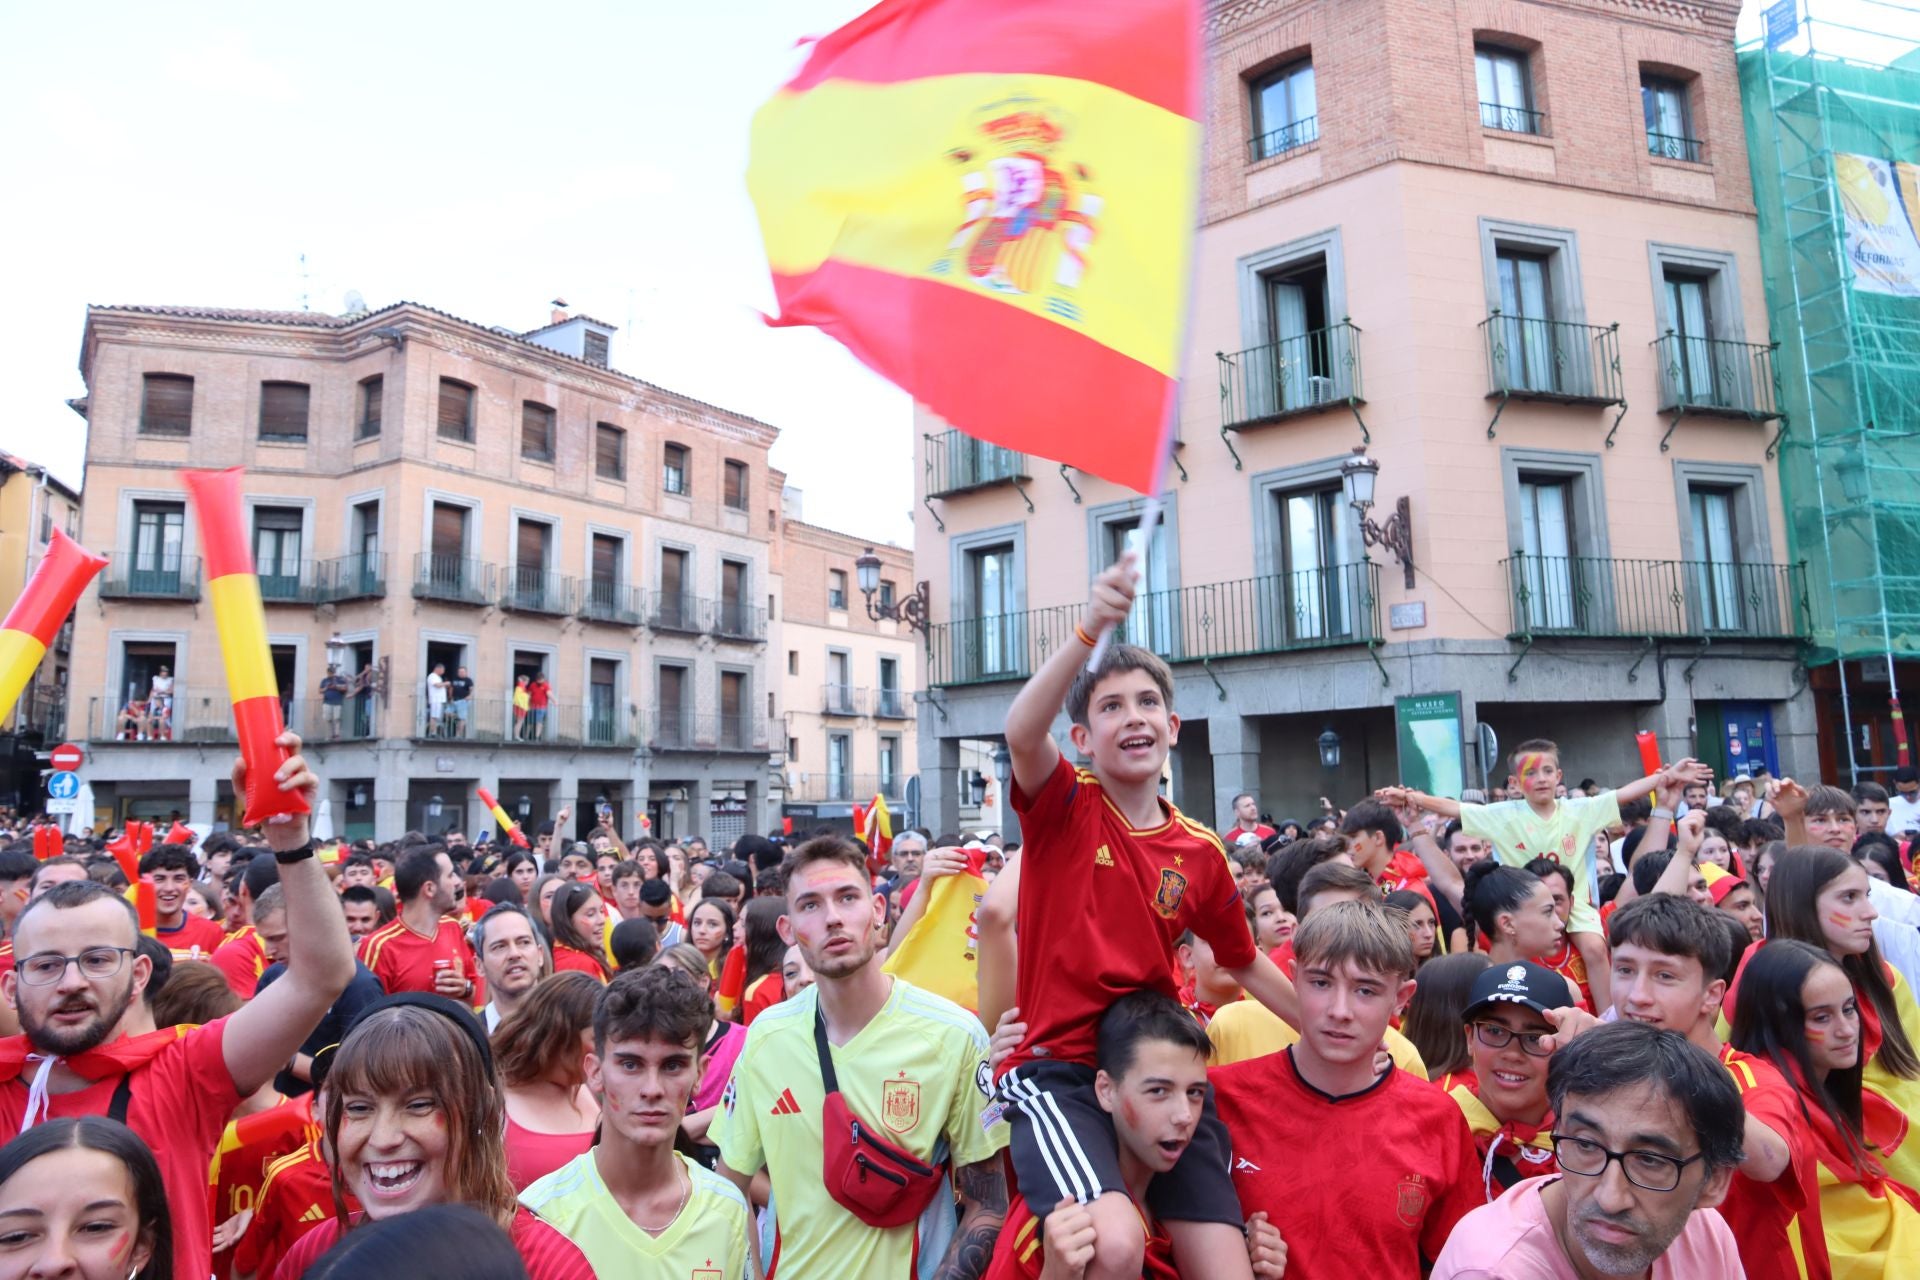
point(659, 1002)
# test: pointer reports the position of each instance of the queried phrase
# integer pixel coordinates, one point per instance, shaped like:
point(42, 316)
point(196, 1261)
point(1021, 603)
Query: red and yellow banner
point(220, 510)
point(991, 203)
point(36, 617)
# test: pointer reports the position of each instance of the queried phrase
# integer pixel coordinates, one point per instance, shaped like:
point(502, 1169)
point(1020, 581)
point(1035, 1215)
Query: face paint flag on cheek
point(220, 511)
point(37, 615)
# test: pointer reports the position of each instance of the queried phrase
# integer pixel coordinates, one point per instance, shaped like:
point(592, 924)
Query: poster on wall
point(1879, 199)
point(1433, 756)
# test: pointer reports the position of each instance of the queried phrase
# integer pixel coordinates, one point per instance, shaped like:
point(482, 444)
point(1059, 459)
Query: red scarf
point(115, 1058)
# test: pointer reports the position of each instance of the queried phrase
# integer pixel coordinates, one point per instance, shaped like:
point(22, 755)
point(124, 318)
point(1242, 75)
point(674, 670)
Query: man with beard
point(77, 979)
point(511, 960)
point(910, 1066)
point(1647, 1135)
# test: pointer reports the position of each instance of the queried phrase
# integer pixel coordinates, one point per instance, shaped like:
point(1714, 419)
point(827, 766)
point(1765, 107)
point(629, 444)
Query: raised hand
point(1788, 798)
point(1111, 597)
point(292, 775)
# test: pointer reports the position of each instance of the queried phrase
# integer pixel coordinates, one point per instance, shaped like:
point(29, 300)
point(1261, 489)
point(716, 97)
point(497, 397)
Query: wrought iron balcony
point(681, 730)
point(1592, 597)
point(611, 602)
point(1276, 613)
point(892, 704)
point(132, 576)
point(453, 579)
point(1711, 375)
point(536, 591)
point(359, 577)
point(842, 700)
point(1673, 147)
point(958, 463)
point(1533, 359)
point(735, 620)
point(1303, 374)
point(1512, 119)
point(289, 581)
point(1277, 142)
point(674, 611)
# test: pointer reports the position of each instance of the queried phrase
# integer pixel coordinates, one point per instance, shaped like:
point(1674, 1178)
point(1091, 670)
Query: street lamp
point(1853, 477)
point(435, 806)
point(910, 610)
point(359, 796)
point(1329, 749)
point(1002, 765)
point(525, 807)
point(979, 789)
point(1358, 475)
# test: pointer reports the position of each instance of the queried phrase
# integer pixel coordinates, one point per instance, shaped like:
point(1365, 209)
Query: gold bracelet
point(1085, 639)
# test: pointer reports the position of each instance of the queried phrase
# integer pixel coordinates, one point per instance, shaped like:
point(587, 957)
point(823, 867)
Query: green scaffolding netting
point(1848, 330)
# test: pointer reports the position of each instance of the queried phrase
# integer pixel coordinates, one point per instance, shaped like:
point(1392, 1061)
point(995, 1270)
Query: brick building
point(425, 492)
point(1509, 248)
point(33, 503)
point(850, 680)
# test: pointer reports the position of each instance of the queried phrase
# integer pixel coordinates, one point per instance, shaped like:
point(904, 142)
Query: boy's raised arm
point(1030, 718)
point(1681, 771)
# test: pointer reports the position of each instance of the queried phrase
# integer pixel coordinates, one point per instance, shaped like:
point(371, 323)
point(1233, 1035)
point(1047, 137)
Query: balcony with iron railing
point(1276, 613)
point(604, 601)
point(1669, 146)
point(1714, 376)
point(842, 700)
point(680, 730)
point(288, 581)
point(1512, 119)
point(1277, 142)
point(496, 722)
point(737, 620)
point(453, 579)
point(356, 577)
point(524, 590)
point(1302, 374)
point(892, 704)
point(188, 716)
point(674, 611)
point(42, 711)
point(1554, 360)
point(131, 576)
point(856, 788)
point(958, 463)
point(1601, 598)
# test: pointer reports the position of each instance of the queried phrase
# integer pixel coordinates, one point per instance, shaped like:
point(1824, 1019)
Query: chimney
point(560, 311)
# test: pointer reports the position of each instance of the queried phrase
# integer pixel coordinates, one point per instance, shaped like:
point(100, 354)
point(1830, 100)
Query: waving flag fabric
point(991, 203)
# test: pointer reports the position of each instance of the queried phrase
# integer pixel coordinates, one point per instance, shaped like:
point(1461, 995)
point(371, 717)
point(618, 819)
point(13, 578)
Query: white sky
point(482, 158)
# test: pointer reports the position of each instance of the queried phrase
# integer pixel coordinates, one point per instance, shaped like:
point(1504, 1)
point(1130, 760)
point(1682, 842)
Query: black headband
point(452, 1010)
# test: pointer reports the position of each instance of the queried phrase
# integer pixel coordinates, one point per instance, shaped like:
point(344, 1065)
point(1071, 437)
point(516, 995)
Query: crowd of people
point(1648, 1030)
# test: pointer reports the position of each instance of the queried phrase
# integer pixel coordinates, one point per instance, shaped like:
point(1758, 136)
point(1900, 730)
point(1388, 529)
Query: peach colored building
point(1510, 249)
point(33, 503)
point(851, 681)
point(427, 494)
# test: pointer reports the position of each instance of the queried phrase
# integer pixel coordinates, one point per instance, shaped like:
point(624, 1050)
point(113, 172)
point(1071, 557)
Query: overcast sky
point(482, 158)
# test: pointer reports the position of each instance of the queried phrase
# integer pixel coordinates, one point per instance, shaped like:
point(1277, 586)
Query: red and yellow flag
point(991, 203)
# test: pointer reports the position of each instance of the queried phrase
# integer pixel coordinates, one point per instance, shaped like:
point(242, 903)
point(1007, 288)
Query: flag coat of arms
point(991, 203)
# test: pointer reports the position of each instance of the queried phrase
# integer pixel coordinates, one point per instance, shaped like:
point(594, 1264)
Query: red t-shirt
point(296, 1197)
point(1020, 1254)
point(243, 959)
point(537, 694)
point(403, 960)
point(1568, 963)
point(1364, 1185)
point(766, 991)
point(548, 1254)
point(1101, 905)
point(1404, 871)
point(1768, 1217)
point(197, 938)
point(248, 1146)
point(573, 960)
point(1282, 957)
point(178, 1104)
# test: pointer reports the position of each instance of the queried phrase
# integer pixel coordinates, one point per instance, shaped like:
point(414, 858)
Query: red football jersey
point(1020, 1254)
point(249, 1145)
point(242, 958)
point(1101, 905)
point(403, 960)
point(296, 1197)
point(1364, 1185)
point(197, 938)
point(1772, 1221)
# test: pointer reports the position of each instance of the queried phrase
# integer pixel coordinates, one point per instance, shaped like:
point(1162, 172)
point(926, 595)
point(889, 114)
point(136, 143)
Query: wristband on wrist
point(1662, 813)
point(287, 857)
point(1081, 633)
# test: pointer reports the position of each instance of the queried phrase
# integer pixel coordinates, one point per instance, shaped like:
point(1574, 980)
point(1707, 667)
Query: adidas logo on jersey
point(1103, 858)
point(786, 1106)
point(314, 1213)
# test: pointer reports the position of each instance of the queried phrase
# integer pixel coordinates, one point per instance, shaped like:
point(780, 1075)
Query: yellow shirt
point(709, 1236)
point(1519, 835)
point(1248, 1029)
point(916, 1073)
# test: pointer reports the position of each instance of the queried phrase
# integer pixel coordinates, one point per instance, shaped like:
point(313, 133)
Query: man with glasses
point(1647, 1134)
point(78, 980)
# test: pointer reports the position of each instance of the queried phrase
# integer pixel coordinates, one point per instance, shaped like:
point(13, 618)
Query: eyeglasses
point(44, 968)
point(1644, 1169)
point(1495, 1036)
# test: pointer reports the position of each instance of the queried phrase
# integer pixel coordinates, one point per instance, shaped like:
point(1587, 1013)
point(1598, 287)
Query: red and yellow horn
point(507, 825)
point(36, 616)
point(242, 623)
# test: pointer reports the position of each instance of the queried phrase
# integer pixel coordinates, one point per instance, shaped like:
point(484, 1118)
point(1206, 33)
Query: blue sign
point(1783, 23)
point(64, 785)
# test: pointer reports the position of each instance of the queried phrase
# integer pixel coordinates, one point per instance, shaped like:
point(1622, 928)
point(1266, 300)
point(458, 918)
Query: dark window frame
point(284, 433)
point(149, 420)
point(676, 477)
point(545, 419)
point(604, 432)
point(371, 410)
point(466, 429)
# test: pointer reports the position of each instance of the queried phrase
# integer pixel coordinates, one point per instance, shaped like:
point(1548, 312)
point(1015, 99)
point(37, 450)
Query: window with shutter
point(166, 404)
point(735, 490)
point(609, 451)
point(673, 472)
point(532, 548)
point(456, 411)
point(372, 393)
point(536, 431)
point(606, 561)
point(283, 410)
point(595, 351)
point(449, 531)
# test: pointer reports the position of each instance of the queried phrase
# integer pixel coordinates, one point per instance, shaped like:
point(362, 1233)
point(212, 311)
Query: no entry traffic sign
point(66, 757)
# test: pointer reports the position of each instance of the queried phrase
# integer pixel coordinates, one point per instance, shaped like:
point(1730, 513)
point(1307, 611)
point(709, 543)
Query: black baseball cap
point(1523, 983)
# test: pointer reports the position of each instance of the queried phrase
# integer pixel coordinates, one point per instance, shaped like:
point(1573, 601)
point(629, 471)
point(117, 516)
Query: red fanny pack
point(866, 1175)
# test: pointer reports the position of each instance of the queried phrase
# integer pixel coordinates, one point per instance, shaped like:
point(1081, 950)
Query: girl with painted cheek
point(81, 1198)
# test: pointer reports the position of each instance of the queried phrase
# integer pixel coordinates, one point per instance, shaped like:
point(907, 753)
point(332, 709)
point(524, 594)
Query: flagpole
point(1149, 520)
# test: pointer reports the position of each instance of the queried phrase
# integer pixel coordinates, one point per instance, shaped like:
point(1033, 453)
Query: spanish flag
point(991, 203)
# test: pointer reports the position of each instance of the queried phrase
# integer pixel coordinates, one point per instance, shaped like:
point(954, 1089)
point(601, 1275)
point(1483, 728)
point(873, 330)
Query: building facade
point(428, 495)
point(33, 503)
point(1510, 249)
point(851, 681)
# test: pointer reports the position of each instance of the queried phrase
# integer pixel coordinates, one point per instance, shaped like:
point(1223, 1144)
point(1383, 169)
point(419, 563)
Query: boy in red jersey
point(1364, 1172)
point(171, 868)
point(1112, 875)
point(1668, 955)
point(1153, 1082)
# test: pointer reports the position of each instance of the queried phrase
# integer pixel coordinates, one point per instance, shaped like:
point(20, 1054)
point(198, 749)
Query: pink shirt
point(1511, 1239)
